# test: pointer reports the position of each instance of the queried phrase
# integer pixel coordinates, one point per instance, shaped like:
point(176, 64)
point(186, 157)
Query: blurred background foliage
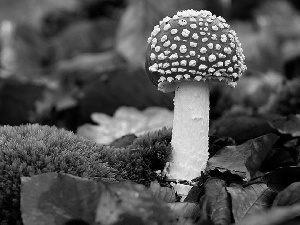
point(68, 63)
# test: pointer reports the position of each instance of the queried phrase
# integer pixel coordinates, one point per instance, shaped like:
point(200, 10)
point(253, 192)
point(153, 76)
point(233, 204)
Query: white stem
point(190, 130)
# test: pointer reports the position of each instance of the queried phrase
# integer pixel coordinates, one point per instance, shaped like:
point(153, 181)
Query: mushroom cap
point(193, 46)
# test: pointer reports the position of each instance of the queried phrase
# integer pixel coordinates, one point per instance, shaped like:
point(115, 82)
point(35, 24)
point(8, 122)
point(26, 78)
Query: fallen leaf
point(195, 194)
point(186, 210)
point(53, 198)
point(217, 201)
point(165, 194)
point(253, 199)
point(129, 203)
point(278, 157)
point(240, 127)
point(287, 125)
point(274, 216)
point(289, 196)
point(243, 160)
point(56, 198)
point(281, 177)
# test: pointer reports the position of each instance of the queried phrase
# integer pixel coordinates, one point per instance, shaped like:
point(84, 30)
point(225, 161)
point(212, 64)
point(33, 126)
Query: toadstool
point(184, 54)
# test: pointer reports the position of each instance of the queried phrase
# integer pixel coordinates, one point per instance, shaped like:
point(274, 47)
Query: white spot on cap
point(174, 69)
point(214, 37)
point(173, 56)
point(234, 58)
point(173, 47)
point(183, 62)
point(202, 67)
point(211, 70)
point(166, 19)
point(167, 43)
point(232, 45)
point(217, 73)
point(175, 17)
point(168, 72)
point(223, 38)
point(193, 26)
point(182, 49)
point(185, 32)
point(198, 78)
point(165, 65)
point(177, 38)
point(170, 79)
point(154, 41)
point(187, 76)
point(181, 70)
point(202, 58)
point(215, 28)
point(167, 27)
point(221, 55)
point(221, 19)
point(174, 31)
point(182, 22)
point(192, 53)
point(203, 50)
point(149, 40)
point(205, 39)
point(193, 44)
point(205, 28)
point(200, 23)
point(155, 31)
point(230, 69)
point(227, 62)
point(153, 68)
point(175, 63)
point(195, 36)
point(161, 56)
point(202, 33)
point(161, 79)
point(227, 50)
point(218, 47)
point(167, 52)
point(212, 58)
point(164, 38)
point(210, 45)
point(235, 75)
point(220, 64)
point(161, 71)
point(178, 77)
point(152, 56)
point(192, 62)
point(157, 48)
point(192, 71)
point(193, 19)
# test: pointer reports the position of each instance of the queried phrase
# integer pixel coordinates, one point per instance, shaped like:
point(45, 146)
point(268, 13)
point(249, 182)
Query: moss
point(147, 154)
point(33, 149)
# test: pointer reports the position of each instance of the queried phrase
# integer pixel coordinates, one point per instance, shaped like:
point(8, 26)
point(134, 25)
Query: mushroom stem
point(190, 130)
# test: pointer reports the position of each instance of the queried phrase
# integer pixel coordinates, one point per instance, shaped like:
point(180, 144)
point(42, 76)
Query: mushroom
point(184, 54)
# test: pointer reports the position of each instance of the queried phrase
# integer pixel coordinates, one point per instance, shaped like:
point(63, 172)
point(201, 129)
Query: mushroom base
point(190, 130)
